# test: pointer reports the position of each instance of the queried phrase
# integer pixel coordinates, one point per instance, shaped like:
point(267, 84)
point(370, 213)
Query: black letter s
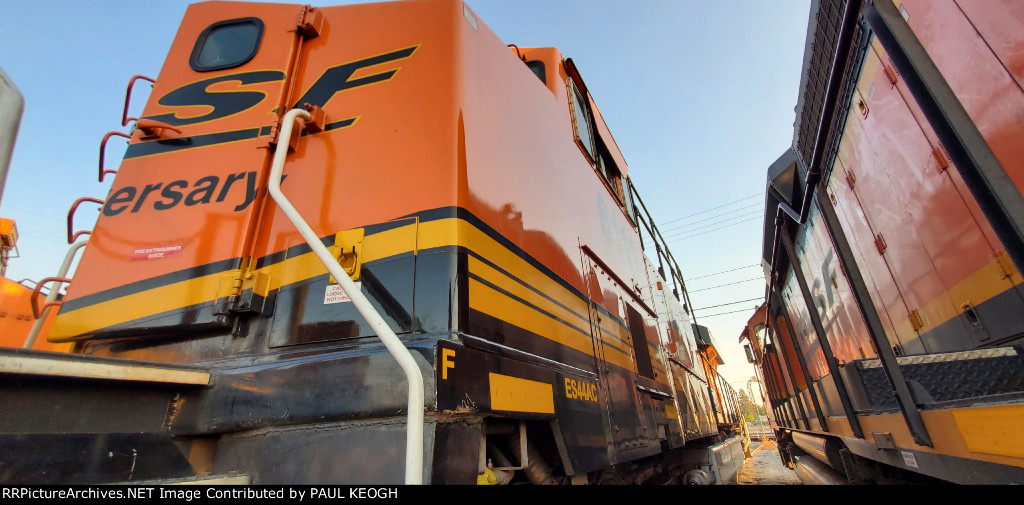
point(224, 103)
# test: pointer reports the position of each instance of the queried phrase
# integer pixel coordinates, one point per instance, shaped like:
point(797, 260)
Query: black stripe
point(463, 214)
point(616, 337)
point(337, 124)
point(150, 283)
point(139, 328)
point(291, 252)
point(328, 241)
point(530, 305)
point(475, 342)
point(486, 327)
point(552, 300)
point(181, 143)
point(544, 312)
point(209, 268)
point(276, 257)
point(465, 251)
point(132, 325)
point(524, 284)
point(210, 139)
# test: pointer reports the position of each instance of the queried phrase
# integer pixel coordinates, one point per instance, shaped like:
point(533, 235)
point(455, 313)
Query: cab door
point(613, 326)
point(176, 229)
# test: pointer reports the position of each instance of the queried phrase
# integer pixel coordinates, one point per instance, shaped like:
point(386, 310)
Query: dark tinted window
point(227, 44)
point(639, 338)
point(582, 121)
point(537, 67)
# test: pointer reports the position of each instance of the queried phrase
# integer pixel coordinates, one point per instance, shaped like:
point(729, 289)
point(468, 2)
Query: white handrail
point(64, 267)
point(414, 427)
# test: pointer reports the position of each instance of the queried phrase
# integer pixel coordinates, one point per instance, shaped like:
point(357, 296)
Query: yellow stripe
point(614, 333)
point(993, 430)
point(432, 234)
point(980, 429)
point(520, 395)
point(658, 367)
point(136, 306)
point(614, 338)
point(501, 280)
point(403, 239)
point(987, 282)
point(456, 231)
point(375, 247)
point(446, 232)
point(495, 304)
point(486, 300)
point(139, 306)
point(670, 411)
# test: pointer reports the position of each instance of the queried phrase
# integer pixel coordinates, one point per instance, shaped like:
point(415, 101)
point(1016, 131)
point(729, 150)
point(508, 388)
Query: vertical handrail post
point(33, 334)
point(414, 426)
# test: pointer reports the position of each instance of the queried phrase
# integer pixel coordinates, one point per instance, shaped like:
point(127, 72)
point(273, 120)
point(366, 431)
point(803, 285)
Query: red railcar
point(893, 245)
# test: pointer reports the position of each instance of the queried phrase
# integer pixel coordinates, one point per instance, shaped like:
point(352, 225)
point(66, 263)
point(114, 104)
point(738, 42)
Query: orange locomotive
point(893, 247)
point(475, 201)
point(18, 327)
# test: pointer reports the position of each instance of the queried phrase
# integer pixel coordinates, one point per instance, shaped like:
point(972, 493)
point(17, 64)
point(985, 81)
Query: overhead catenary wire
point(716, 229)
point(680, 226)
point(731, 312)
point(722, 272)
point(730, 303)
point(757, 212)
point(727, 284)
point(713, 208)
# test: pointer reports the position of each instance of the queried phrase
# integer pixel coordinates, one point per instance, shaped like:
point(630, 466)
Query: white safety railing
point(54, 290)
point(414, 423)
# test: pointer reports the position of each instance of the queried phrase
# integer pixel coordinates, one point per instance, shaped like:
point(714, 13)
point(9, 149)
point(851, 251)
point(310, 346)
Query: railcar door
point(177, 228)
point(630, 427)
point(362, 182)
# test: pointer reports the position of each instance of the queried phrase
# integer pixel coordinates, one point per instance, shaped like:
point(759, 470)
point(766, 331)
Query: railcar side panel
point(946, 295)
point(914, 212)
point(973, 43)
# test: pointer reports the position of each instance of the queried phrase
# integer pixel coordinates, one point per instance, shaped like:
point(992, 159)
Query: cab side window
point(581, 118)
point(597, 152)
point(227, 44)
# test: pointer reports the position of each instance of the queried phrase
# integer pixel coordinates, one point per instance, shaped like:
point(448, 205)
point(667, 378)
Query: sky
point(699, 96)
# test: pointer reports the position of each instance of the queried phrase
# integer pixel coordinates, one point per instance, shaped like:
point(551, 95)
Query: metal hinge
point(228, 290)
point(275, 134)
point(242, 292)
point(941, 158)
point(891, 74)
point(915, 320)
point(254, 294)
point(880, 244)
point(851, 179)
point(1006, 264)
point(311, 22)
